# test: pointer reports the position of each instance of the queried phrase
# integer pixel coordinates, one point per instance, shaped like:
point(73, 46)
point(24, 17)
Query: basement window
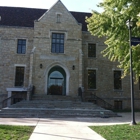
point(118, 105)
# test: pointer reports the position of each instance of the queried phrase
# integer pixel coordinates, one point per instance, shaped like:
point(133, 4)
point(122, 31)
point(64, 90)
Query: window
point(21, 46)
point(91, 50)
point(117, 80)
point(118, 105)
point(58, 18)
point(57, 43)
point(19, 76)
point(91, 79)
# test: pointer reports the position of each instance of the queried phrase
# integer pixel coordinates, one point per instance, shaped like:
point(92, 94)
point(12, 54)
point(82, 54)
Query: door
point(56, 81)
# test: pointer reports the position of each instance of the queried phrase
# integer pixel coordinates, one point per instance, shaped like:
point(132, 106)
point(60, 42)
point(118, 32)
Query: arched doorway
point(56, 81)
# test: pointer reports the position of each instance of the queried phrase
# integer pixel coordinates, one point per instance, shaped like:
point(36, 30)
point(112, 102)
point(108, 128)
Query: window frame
point(21, 45)
point(57, 43)
point(114, 80)
point(95, 79)
point(92, 54)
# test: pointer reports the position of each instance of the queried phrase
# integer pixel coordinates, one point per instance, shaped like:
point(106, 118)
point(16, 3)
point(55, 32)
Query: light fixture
point(129, 23)
point(73, 67)
point(41, 66)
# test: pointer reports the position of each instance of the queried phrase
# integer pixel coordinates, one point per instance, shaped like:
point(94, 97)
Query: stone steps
point(55, 98)
point(57, 112)
point(54, 106)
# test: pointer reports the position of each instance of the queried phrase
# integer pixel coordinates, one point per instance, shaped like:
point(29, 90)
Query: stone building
point(53, 51)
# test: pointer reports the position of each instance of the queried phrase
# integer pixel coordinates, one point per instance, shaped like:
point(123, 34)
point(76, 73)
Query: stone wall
point(42, 41)
point(9, 57)
point(2, 97)
point(75, 54)
point(104, 75)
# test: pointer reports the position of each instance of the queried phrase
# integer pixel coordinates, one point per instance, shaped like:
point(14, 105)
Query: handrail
point(105, 104)
point(80, 93)
point(5, 101)
point(31, 91)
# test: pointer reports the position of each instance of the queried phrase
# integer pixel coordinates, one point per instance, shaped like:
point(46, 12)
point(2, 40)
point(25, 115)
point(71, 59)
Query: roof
point(25, 17)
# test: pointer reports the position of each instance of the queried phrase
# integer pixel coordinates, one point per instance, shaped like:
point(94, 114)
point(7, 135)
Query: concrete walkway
point(67, 128)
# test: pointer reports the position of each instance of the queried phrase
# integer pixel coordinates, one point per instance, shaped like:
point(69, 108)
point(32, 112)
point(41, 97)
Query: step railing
point(80, 93)
point(99, 101)
point(31, 92)
point(12, 100)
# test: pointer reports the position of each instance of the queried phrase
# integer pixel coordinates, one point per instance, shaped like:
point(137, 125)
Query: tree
point(111, 23)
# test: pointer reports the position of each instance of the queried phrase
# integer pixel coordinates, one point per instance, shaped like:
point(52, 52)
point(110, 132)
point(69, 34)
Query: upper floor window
point(58, 18)
point(19, 76)
point(57, 42)
point(91, 50)
point(91, 79)
point(117, 80)
point(21, 46)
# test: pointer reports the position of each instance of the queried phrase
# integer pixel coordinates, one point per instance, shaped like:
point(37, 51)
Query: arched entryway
point(56, 81)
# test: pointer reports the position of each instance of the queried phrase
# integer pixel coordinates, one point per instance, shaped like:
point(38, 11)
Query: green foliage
point(112, 24)
point(118, 132)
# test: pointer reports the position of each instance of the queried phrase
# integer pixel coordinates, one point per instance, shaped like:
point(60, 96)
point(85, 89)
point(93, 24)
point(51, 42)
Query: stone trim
point(117, 69)
point(16, 89)
point(20, 65)
point(92, 68)
point(59, 31)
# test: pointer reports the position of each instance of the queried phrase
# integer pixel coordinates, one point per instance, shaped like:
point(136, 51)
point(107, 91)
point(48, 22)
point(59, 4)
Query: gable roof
point(25, 17)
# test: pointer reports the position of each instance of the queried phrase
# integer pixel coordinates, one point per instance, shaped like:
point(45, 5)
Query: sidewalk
point(64, 129)
point(67, 128)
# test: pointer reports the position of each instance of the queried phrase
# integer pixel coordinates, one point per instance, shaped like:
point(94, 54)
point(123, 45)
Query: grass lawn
point(118, 132)
point(8, 132)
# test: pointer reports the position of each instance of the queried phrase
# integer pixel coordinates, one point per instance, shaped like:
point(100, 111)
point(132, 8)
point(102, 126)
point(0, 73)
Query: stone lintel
point(16, 89)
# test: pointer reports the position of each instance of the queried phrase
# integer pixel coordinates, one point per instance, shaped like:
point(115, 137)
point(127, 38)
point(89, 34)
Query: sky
point(71, 5)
